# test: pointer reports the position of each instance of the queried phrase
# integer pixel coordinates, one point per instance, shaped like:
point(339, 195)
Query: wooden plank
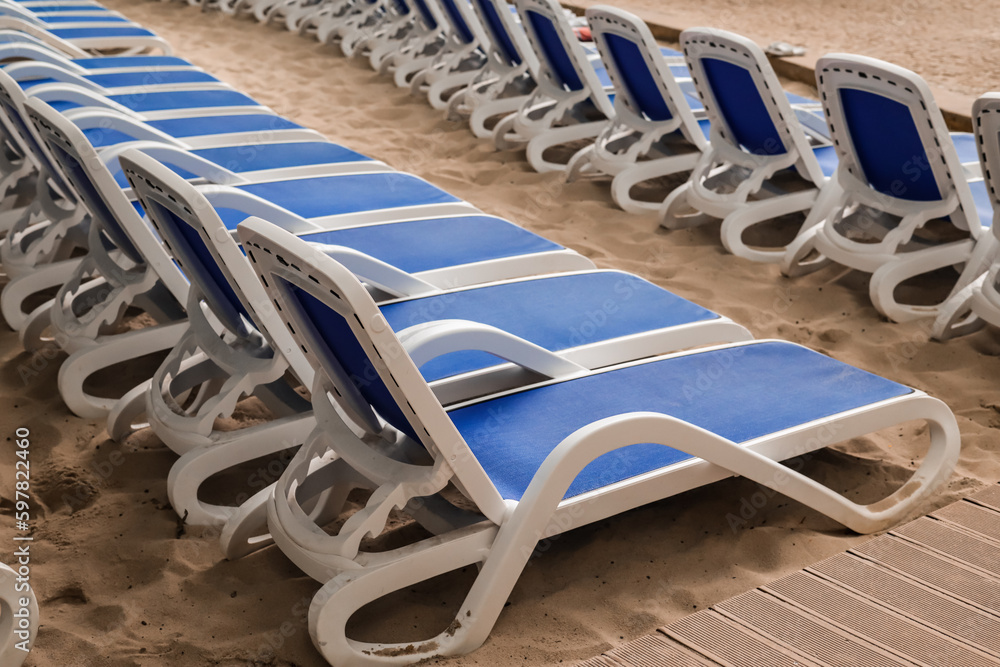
point(928, 593)
point(893, 632)
point(727, 643)
point(914, 600)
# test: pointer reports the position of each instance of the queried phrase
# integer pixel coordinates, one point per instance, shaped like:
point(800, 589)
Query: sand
point(120, 583)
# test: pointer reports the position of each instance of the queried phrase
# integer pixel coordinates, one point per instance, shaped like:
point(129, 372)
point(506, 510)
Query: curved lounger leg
point(955, 316)
point(34, 326)
point(322, 495)
point(191, 470)
point(801, 256)
point(491, 109)
point(18, 290)
point(124, 416)
point(624, 181)
point(736, 223)
point(677, 213)
point(194, 375)
point(538, 145)
point(443, 89)
point(122, 347)
point(406, 71)
point(888, 277)
point(581, 165)
point(18, 623)
point(503, 136)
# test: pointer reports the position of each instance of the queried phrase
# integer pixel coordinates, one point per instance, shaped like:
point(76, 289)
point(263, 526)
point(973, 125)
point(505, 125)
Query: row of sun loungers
point(753, 155)
point(408, 344)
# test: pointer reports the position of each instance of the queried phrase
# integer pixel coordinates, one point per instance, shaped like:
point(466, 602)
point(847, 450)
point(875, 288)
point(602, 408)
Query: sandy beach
point(121, 583)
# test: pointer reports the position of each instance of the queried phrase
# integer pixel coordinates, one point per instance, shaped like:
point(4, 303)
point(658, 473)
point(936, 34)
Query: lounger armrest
point(429, 340)
point(377, 273)
point(22, 72)
point(35, 53)
point(22, 22)
point(9, 35)
point(224, 196)
point(67, 92)
point(39, 70)
point(176, 156)
point(90, 118)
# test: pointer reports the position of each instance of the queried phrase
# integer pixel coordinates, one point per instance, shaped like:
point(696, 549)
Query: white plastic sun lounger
point(899, 170)
point(17, 630)
point(654, 131)
point(978, 303)
point(768, 153)
point(538, 460)
point(506, 80)
point(408, 265)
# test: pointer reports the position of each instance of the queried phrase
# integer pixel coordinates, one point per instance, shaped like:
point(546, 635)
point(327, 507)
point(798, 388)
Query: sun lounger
point(978, 303)
point(539, 460)
point(900, 171)
point(768, 153)
point(654, 131)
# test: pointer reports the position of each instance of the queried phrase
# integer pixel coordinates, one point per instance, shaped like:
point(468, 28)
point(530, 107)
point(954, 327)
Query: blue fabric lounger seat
point(244, 158)
point(141, 78)
point(199, 126)
point(341, 195)
point(151, 101)
point(769, 386)
point(101, 32)
point(555, 313)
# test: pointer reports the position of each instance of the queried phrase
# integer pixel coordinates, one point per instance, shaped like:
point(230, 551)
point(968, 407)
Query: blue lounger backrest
point(498, 32)
point(342, 345)
point(637, 78)
point(14, 116)
point(559, 61)
point(182, 236)
point(738, 101)
point(426, 14)
point(91, 197)
point(888, 147)
point(458, 22)
point(896, 153)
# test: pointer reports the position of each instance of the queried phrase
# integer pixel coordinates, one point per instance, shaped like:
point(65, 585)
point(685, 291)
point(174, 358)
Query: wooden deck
point(927, 593)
